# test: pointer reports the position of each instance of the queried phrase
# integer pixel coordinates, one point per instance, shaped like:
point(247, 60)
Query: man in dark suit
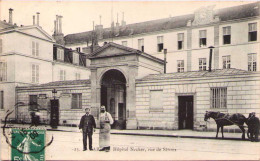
point(87, 124)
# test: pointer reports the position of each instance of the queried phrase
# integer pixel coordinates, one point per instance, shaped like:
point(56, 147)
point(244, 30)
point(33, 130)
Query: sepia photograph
point(129, 80)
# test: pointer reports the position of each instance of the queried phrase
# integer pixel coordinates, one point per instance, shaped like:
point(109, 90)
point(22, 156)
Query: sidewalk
point(161, 133)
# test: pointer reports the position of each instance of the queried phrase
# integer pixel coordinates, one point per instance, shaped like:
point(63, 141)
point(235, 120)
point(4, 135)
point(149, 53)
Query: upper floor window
point(159, 43)
point(252, 60)
point(227, 35)
point(252, 32)
point(35, 73)
point(124, 43)
point(180, 65)
point(226, 62)
point(1, 46)
point(60, 54)
point(202, 64)
point(78, 49)
point(62, 75)
point(141, 45)
point(76, 102)
point(77, 76)
point(180, 41)
point(1, 99)
point(3, 71)
point(218, 97)
point(203, 38)
point(75, 58)
point(35, 48)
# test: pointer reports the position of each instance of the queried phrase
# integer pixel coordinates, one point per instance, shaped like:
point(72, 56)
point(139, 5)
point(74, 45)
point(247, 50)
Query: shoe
point(84, 149)
point(102, 149)
point(90, 149)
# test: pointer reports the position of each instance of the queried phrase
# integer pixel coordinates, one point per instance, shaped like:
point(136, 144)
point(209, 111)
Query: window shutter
point(37, 49)
point(252, 27)
point(227, 30)
point(33, 48)
point(1, 45)
point(37, 73)
point(180, 36)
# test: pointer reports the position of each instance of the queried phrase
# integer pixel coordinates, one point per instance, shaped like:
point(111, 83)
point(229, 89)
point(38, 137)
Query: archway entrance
point(113, 96)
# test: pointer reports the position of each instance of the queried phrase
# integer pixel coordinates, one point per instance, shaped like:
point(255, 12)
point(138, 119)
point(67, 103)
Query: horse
point(222, 120)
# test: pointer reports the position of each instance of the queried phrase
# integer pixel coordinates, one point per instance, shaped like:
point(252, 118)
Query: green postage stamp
point(28, 144)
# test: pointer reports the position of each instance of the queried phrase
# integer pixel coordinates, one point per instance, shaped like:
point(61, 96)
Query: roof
point(196, 74)
point(127, 49)
point(225, 14)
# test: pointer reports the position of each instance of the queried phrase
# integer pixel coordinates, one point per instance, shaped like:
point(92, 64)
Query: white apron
point(104, 134)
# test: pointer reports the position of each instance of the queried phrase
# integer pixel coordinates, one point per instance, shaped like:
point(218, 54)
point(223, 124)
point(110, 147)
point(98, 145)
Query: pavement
point(160, 133)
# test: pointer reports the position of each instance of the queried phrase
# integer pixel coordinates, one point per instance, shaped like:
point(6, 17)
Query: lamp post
point(54, 92)
point(210, 57)
point(165, 53)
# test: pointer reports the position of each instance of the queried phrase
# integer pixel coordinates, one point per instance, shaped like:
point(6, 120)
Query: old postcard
point(129, 80)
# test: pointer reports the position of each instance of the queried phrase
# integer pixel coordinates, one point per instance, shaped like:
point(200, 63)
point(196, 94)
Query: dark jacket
point(87, 123)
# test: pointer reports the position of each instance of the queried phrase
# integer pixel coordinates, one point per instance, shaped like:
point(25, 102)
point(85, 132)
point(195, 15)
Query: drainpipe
point(210, 57)
point(165, 53)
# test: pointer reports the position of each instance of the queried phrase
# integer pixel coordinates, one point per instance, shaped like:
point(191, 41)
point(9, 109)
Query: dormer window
point(60, 54)
point(75, 58)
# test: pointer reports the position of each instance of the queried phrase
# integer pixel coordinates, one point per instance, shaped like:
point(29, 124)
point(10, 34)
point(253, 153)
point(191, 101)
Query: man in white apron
point(104, 135)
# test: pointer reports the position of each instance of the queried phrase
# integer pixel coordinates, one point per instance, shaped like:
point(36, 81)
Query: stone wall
point(243, 96)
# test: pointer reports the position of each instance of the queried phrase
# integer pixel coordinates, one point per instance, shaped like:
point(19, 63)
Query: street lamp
point(54, 92)
point(210, 56)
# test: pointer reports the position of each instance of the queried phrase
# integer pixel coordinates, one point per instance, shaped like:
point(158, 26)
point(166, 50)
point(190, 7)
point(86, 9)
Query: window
point(60, 54)
point(124, 43)
point(35, 48)
point(202, 64)
point(76, 102)
point(1, 99)
point(156, 100)
point(78, 49)
point(75, 58)
point(33, 102)
point(180, 41)
point(159, 43)
point(3, 71)
point(252, 59)
point(252, 33)
point(218, 97)
point(1, 46)
point(141, 45)
point(77, 75)
point(180, 65)
point(62, 75)
point(203, 38)
point(226, 62)
point(227, 35)
point(35, 73)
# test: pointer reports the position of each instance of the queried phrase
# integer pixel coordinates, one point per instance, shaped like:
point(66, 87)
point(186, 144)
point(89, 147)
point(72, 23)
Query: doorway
point(54, 113)
point(113, 96)
point(185, 114)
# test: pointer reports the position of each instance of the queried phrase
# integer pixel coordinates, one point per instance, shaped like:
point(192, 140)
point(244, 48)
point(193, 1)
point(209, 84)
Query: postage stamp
point(28, 144)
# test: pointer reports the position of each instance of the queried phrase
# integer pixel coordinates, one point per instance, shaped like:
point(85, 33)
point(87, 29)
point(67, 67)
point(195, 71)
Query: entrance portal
point(185, 112)
point(113, 96)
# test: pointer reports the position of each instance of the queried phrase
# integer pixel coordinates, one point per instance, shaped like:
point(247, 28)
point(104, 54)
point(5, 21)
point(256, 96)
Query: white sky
point(78, 16)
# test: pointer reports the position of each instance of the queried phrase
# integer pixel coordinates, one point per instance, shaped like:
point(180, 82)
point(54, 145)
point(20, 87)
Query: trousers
point(85, 135)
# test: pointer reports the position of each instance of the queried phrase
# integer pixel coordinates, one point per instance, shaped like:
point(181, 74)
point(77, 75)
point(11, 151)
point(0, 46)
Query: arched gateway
point(114, 70)
point(113, 96)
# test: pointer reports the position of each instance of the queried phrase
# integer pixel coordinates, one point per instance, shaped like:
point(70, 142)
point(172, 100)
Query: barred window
point(227, 35)
point(202, 64)
point(203, 38)
point(252, 32)
point(76, 102)
point(180, 41)
point(218, 97)
point(226, 62)
point(62, 75)
point(156, 100)
point(180, 65)
point(159, 43)
point(252, 62)
point(3, 71)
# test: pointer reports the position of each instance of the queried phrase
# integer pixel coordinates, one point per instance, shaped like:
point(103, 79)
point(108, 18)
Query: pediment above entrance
point(112, 49)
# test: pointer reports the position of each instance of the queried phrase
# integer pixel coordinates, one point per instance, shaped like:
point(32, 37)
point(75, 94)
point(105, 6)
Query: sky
point(78, 16)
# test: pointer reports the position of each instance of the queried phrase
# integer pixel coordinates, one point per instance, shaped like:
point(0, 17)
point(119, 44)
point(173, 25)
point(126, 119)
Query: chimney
point(33, 19)
point(57, 24)
point(60, 25)
point(10, 15)
point(123, 23)
point(55, 29)
point(38, 18)
point(210, 57)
